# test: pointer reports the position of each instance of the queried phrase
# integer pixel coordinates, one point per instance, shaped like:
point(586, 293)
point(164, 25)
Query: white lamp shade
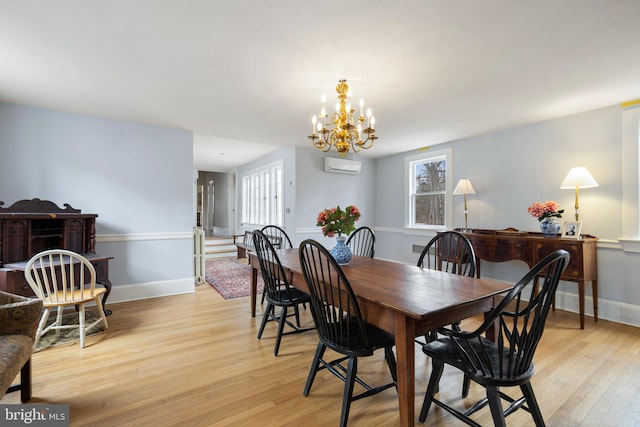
point(464, 187)
point(579, 177)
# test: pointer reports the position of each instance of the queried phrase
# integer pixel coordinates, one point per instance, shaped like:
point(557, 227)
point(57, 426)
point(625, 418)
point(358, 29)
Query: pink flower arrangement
point(336, 220)
point(548, 209)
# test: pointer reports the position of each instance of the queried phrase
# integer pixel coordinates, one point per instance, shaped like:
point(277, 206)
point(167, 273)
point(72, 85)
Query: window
point(631, 176)
point(262, 201)
point(428, 202)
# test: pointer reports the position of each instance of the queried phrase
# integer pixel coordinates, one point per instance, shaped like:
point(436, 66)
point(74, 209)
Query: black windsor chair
point(452, 252)
point(278, 290)
point(508, 362)
point(340, 326)
point(279, 239)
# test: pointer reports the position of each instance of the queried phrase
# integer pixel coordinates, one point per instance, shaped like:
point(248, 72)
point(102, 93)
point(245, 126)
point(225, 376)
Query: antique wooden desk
point(511, 244)
point(28, 227)
point(404, 300)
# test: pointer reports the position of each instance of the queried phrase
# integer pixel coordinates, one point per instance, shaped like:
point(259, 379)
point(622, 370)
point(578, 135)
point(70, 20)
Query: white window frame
point(409, 173)
point(262, 195)
point(631, 176)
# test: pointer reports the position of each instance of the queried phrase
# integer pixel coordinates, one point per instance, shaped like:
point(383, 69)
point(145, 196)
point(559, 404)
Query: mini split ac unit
point(335, 165)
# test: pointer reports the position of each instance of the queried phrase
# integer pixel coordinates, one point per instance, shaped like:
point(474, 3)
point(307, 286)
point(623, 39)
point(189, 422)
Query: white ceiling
point(246, 75)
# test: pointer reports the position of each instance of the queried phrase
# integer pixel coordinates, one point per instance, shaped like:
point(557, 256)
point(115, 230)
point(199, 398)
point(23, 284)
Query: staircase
point(219, 247)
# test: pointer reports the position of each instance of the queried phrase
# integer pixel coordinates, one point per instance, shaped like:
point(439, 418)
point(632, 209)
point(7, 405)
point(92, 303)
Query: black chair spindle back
point(277, 236)
point(449, 251)
point(362, 242)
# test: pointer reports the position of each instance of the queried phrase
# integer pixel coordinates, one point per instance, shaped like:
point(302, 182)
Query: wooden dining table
point(404, 300)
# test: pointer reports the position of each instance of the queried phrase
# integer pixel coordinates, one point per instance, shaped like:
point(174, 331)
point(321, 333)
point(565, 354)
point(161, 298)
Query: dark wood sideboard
point(31, 226)
point(530, 247)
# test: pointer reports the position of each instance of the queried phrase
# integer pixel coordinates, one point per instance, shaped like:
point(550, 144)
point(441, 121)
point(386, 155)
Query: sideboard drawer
point(574, 269)
point(501, 249)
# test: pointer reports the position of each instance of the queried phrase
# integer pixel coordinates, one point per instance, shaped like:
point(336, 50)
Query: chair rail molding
point(629, 244)
point(143, 236)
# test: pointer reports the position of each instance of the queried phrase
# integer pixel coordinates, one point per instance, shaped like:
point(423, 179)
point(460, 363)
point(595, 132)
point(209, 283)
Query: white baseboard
point(607, 310)
point(122, 293)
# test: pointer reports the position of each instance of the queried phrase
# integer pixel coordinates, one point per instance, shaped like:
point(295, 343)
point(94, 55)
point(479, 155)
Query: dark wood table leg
point(254, 290)
point(404, 331)
point(594, 292)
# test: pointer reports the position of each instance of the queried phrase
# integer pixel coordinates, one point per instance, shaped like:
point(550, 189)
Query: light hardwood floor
point(194, 360)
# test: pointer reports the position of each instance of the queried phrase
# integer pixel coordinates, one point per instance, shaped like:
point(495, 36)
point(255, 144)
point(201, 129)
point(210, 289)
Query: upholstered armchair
point(19, 318)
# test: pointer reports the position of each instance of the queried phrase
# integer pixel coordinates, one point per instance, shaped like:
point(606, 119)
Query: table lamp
point(578, 178)
point(464, 187)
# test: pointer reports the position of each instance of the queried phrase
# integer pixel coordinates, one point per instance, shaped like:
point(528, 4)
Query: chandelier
point(341, 130)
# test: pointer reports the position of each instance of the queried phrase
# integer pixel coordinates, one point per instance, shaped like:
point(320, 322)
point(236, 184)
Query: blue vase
point(550, 227)
point(341, 252)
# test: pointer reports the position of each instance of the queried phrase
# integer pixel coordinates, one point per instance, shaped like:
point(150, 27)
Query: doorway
point(215, 204)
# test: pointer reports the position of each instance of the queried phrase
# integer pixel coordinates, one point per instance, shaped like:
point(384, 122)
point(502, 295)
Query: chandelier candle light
point(341, 130)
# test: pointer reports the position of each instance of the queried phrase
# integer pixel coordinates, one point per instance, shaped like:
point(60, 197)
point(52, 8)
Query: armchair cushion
point(19, 318)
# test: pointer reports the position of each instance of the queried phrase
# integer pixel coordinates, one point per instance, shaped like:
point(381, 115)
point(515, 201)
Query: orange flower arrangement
point(336, 220)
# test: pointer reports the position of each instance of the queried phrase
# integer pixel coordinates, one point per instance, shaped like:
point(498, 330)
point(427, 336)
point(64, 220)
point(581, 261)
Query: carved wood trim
point(37, 206)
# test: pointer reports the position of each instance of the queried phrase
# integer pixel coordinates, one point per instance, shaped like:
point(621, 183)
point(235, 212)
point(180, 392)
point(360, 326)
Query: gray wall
point(137, 178)
point(318, 190)
point(510, 169)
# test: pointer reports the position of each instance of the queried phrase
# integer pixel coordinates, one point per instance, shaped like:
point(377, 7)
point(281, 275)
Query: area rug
point(230, 277)
point(69, 336)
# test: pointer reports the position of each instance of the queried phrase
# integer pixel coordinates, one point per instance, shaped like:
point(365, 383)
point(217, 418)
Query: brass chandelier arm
point(319, 143)
point(349, 141)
